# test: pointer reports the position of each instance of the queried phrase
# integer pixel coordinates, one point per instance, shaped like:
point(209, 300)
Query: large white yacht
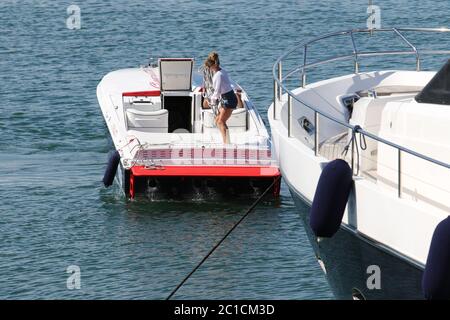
point(366, 156)
point(168, 146)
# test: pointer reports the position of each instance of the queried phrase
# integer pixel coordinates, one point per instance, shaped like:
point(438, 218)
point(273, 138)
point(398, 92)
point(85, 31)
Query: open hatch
point(176, 88)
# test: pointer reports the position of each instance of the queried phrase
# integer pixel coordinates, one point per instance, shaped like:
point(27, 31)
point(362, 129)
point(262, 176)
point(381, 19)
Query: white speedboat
point(366, 156)
point(167, 145)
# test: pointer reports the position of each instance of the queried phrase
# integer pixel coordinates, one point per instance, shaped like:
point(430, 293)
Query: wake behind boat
point(168, 145)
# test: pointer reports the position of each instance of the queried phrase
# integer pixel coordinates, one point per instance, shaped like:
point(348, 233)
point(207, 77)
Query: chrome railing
point(355, 56)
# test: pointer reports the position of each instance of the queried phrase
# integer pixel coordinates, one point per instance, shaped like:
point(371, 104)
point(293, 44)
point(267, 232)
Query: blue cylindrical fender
point(111, 168)
point(436, 276)
point(330, 199)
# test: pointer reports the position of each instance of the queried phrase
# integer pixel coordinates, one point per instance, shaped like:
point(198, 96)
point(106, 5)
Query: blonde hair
point(213, 59)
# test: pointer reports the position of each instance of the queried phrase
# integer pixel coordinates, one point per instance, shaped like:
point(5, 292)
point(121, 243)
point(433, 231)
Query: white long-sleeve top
point(221, 84)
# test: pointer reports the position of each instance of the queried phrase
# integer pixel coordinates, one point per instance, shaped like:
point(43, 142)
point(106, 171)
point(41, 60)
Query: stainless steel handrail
point(355, 53)
point(348, 57)
point(412, 47)
point(355, 56)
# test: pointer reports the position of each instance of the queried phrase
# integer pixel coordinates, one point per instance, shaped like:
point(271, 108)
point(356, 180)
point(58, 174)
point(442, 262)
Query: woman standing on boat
point(223, 94)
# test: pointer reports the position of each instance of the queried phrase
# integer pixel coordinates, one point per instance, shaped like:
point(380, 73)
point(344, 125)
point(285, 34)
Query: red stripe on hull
point(206, 171)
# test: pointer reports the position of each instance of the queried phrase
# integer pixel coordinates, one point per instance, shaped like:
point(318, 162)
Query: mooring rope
point(224, 237)
point(354, 142)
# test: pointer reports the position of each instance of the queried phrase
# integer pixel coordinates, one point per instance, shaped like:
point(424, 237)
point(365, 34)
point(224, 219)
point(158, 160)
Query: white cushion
point(238, 118)
point(146, 105)
point(157, 120)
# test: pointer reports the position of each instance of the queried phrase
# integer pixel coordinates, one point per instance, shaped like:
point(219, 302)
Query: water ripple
point(56, 213)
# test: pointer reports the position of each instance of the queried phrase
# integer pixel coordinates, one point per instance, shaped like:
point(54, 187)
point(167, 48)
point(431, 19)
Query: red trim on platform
point(206, 171)
point(154, 93)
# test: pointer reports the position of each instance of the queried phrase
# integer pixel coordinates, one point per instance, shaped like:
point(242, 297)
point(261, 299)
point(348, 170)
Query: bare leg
point(224, 115)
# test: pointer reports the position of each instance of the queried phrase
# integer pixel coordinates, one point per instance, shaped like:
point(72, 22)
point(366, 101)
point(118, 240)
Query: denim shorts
point(229, 100)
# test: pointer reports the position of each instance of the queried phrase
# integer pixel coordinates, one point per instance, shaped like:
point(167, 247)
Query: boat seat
point(145, 105)
point(237, 121)
point(150, 121)
point(367, 113)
